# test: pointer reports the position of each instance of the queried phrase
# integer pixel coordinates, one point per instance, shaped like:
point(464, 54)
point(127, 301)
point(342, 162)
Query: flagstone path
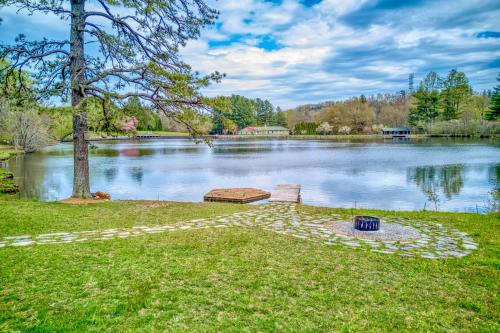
point(428, 239)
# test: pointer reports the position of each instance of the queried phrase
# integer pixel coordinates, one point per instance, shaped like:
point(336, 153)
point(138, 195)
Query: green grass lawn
point(233, 279)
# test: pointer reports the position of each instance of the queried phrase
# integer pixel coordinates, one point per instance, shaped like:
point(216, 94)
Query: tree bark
point(81, 182)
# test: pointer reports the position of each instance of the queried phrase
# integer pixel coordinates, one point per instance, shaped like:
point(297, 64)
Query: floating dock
point(237, 195)
point(286, 193)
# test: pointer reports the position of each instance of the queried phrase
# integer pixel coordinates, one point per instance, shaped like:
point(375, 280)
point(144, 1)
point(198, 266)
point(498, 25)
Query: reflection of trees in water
point(424, 177)
point(110, 174)
point(137, 174)
point(448, 178)
point(451, 179)
point(494, 177)
point(31, 180)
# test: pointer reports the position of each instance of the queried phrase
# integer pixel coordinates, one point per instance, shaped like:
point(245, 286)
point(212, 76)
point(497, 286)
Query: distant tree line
point(354, 115)
point(443, 103)
point(440, 106)
point(239, 112)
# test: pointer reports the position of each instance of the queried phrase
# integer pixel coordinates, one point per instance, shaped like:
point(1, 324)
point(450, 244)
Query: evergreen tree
point(427, 98)
point(221, 121)
point(280, 118)
point(242, 111)
point(260, 111)
point(456, 91)
point(426, 109)
point(269, 113)
point(147, 118)
point(494, 112)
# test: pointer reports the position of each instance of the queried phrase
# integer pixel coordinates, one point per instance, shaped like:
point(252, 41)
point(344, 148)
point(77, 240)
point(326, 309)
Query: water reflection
point(388, 175)
point(494, 175)
point(447, 178)
point(136, 174)
point(110, 174)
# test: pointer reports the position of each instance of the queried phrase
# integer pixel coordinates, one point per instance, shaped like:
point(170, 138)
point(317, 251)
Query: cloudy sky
point(305, 51)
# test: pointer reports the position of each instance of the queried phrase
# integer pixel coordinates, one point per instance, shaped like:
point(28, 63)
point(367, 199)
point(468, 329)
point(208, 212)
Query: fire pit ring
point(366, 223)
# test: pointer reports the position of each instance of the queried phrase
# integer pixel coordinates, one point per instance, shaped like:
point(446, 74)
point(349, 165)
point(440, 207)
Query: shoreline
point(283, 137)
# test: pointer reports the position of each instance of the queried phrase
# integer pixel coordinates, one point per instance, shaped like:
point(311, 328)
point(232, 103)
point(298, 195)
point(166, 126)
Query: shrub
point(459, 128)
point(128, 124)
point(324, 128)
point(367, 130)
point(378, 128)
point(345, 130)
point(305, 128)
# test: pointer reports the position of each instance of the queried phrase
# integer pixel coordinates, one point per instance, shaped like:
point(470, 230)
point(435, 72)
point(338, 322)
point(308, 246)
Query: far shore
point(173, 135)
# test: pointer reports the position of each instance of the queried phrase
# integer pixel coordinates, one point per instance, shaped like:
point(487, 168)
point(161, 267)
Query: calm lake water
point(387, 175)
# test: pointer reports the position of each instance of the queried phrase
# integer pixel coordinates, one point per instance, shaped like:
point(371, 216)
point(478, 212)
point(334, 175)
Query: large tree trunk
point(81, 183)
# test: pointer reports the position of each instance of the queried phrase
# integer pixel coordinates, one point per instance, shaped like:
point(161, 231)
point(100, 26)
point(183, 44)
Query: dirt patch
point(149, 203)
point(80, 201)
point(142, 203)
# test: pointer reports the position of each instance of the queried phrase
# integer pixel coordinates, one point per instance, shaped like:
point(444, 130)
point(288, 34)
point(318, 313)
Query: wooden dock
point(286, 193)
point(239, 195)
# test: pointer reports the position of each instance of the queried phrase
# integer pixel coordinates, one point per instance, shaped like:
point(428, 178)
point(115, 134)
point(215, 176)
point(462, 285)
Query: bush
point(367, 130)
point(459, 128)
point(305, 128)
point(324, 128)
point(344, 130)
point(128, 124)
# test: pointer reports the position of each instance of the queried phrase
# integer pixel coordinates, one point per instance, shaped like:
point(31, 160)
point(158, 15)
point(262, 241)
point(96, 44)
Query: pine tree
point(242, 111)
point(494, 112)
point(427, 98)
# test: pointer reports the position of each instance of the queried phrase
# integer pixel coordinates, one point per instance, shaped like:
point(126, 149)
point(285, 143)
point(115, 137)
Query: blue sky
point(305, 51)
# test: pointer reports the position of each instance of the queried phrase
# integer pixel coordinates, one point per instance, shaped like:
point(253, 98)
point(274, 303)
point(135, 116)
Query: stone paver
point(434, 240)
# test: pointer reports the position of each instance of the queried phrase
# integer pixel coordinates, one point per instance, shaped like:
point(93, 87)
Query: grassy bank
point(7, 184)
point(7, 152)
point(234, 279)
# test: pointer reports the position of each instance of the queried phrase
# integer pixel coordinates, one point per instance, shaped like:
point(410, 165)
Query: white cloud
point(332, 50)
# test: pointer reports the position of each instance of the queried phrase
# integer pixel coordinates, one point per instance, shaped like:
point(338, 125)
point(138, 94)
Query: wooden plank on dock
point(286, 193)
point(239, 195)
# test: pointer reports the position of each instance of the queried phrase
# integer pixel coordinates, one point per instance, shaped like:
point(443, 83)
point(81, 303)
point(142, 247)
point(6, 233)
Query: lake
point(374, 174)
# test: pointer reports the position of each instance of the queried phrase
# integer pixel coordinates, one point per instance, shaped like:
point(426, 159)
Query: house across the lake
point(396, 131)
point(264, 130)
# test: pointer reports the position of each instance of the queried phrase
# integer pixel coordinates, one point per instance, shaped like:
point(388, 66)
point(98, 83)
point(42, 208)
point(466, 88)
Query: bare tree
point(29, 131)
point(137, 55)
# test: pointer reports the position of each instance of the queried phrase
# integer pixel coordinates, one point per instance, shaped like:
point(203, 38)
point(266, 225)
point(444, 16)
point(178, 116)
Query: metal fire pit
point(366, 223)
